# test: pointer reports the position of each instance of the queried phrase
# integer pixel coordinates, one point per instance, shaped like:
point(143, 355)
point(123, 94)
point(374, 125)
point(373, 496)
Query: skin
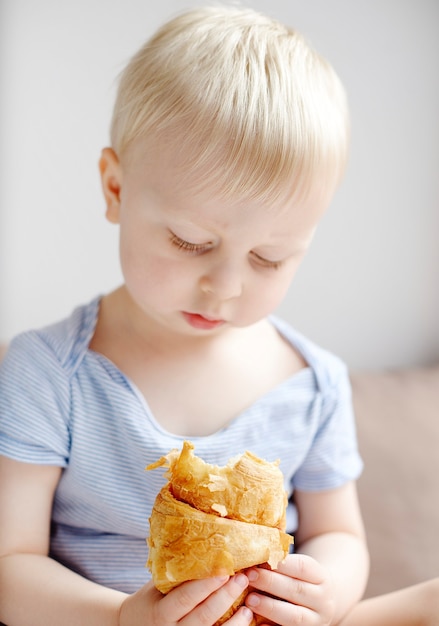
point(200, 276)
point(417, 605)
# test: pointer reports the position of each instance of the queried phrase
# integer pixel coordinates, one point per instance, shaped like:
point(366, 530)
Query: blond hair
point(249, 102)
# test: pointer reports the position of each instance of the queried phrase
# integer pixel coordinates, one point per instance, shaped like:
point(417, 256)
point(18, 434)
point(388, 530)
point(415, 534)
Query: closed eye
point(188, 246)
point(275, 265)
point(199, 248)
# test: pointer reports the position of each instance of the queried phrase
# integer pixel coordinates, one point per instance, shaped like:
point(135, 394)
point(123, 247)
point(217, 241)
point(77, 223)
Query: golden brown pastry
point(211, 521)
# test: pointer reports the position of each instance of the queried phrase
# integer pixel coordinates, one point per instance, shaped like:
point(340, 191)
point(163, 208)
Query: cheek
point(264, 299)
point(137, 252)
point(148, 273)
point(274, 294)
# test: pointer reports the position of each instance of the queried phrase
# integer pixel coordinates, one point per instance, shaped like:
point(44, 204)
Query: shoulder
point(60, 346)
point(36, 389)
point(328, 369)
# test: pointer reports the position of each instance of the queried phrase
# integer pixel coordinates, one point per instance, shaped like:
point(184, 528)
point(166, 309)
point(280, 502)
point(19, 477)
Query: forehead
point(165, 168)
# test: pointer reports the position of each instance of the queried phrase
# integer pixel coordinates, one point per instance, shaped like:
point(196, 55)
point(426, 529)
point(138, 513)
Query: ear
point(111, 179)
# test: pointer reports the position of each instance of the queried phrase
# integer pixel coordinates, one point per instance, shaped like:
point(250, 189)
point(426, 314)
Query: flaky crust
point(247, 489)
point(187, 544)
point(212, 521)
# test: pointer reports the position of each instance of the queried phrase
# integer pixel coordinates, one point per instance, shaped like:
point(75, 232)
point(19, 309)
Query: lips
point(202, 322)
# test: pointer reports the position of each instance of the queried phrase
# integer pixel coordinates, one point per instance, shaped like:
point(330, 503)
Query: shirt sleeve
point(34, 403)
point(333, 458)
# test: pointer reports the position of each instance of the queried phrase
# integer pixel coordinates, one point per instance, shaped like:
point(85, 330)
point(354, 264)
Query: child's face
point(193, 262)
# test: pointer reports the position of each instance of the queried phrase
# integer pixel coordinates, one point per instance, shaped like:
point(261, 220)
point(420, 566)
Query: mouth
point(201, 322)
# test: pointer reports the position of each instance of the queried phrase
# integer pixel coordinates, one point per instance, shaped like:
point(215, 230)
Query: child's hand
point(300, 581)
point(194, 603)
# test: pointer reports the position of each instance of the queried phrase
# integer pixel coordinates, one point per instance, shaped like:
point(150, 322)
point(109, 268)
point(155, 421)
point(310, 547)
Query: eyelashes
point(274, 265)
point(188, 246)
point(199, 248)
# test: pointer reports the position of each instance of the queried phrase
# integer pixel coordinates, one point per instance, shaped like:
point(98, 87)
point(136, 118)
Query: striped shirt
point(62, 404)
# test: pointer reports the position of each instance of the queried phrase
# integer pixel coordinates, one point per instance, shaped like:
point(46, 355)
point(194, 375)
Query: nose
point(223, 280)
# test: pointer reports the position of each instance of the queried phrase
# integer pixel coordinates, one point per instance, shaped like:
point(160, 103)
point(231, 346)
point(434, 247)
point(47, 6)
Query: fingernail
point(246, 613)
point(221, 579)
point(241, 580)
point(252, 575)
point(252, 600)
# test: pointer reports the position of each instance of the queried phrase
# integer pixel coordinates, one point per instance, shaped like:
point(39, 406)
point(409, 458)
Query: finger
point(280, 612)
point(218, 603)
point(303, 567)
point(282, 586)
point(184, 598)
point(242, 617)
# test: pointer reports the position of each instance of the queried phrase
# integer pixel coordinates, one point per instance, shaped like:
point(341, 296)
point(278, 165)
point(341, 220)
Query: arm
point(417, 605)
point(328, 574)
point(331, 531)
point(36, 589)
point(39, 591)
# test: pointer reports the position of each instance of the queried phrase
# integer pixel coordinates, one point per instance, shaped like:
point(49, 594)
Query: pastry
point(211, 521)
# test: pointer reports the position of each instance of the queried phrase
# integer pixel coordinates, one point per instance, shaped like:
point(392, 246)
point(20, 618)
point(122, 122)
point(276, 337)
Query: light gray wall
point(369, 289)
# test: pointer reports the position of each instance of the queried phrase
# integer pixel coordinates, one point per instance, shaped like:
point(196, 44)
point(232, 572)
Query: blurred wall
point(369, 289)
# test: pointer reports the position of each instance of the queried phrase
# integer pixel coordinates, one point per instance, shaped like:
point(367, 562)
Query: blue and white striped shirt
point(65, 405)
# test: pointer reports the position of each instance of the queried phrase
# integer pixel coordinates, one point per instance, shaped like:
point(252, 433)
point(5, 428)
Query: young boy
point(229, 138)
